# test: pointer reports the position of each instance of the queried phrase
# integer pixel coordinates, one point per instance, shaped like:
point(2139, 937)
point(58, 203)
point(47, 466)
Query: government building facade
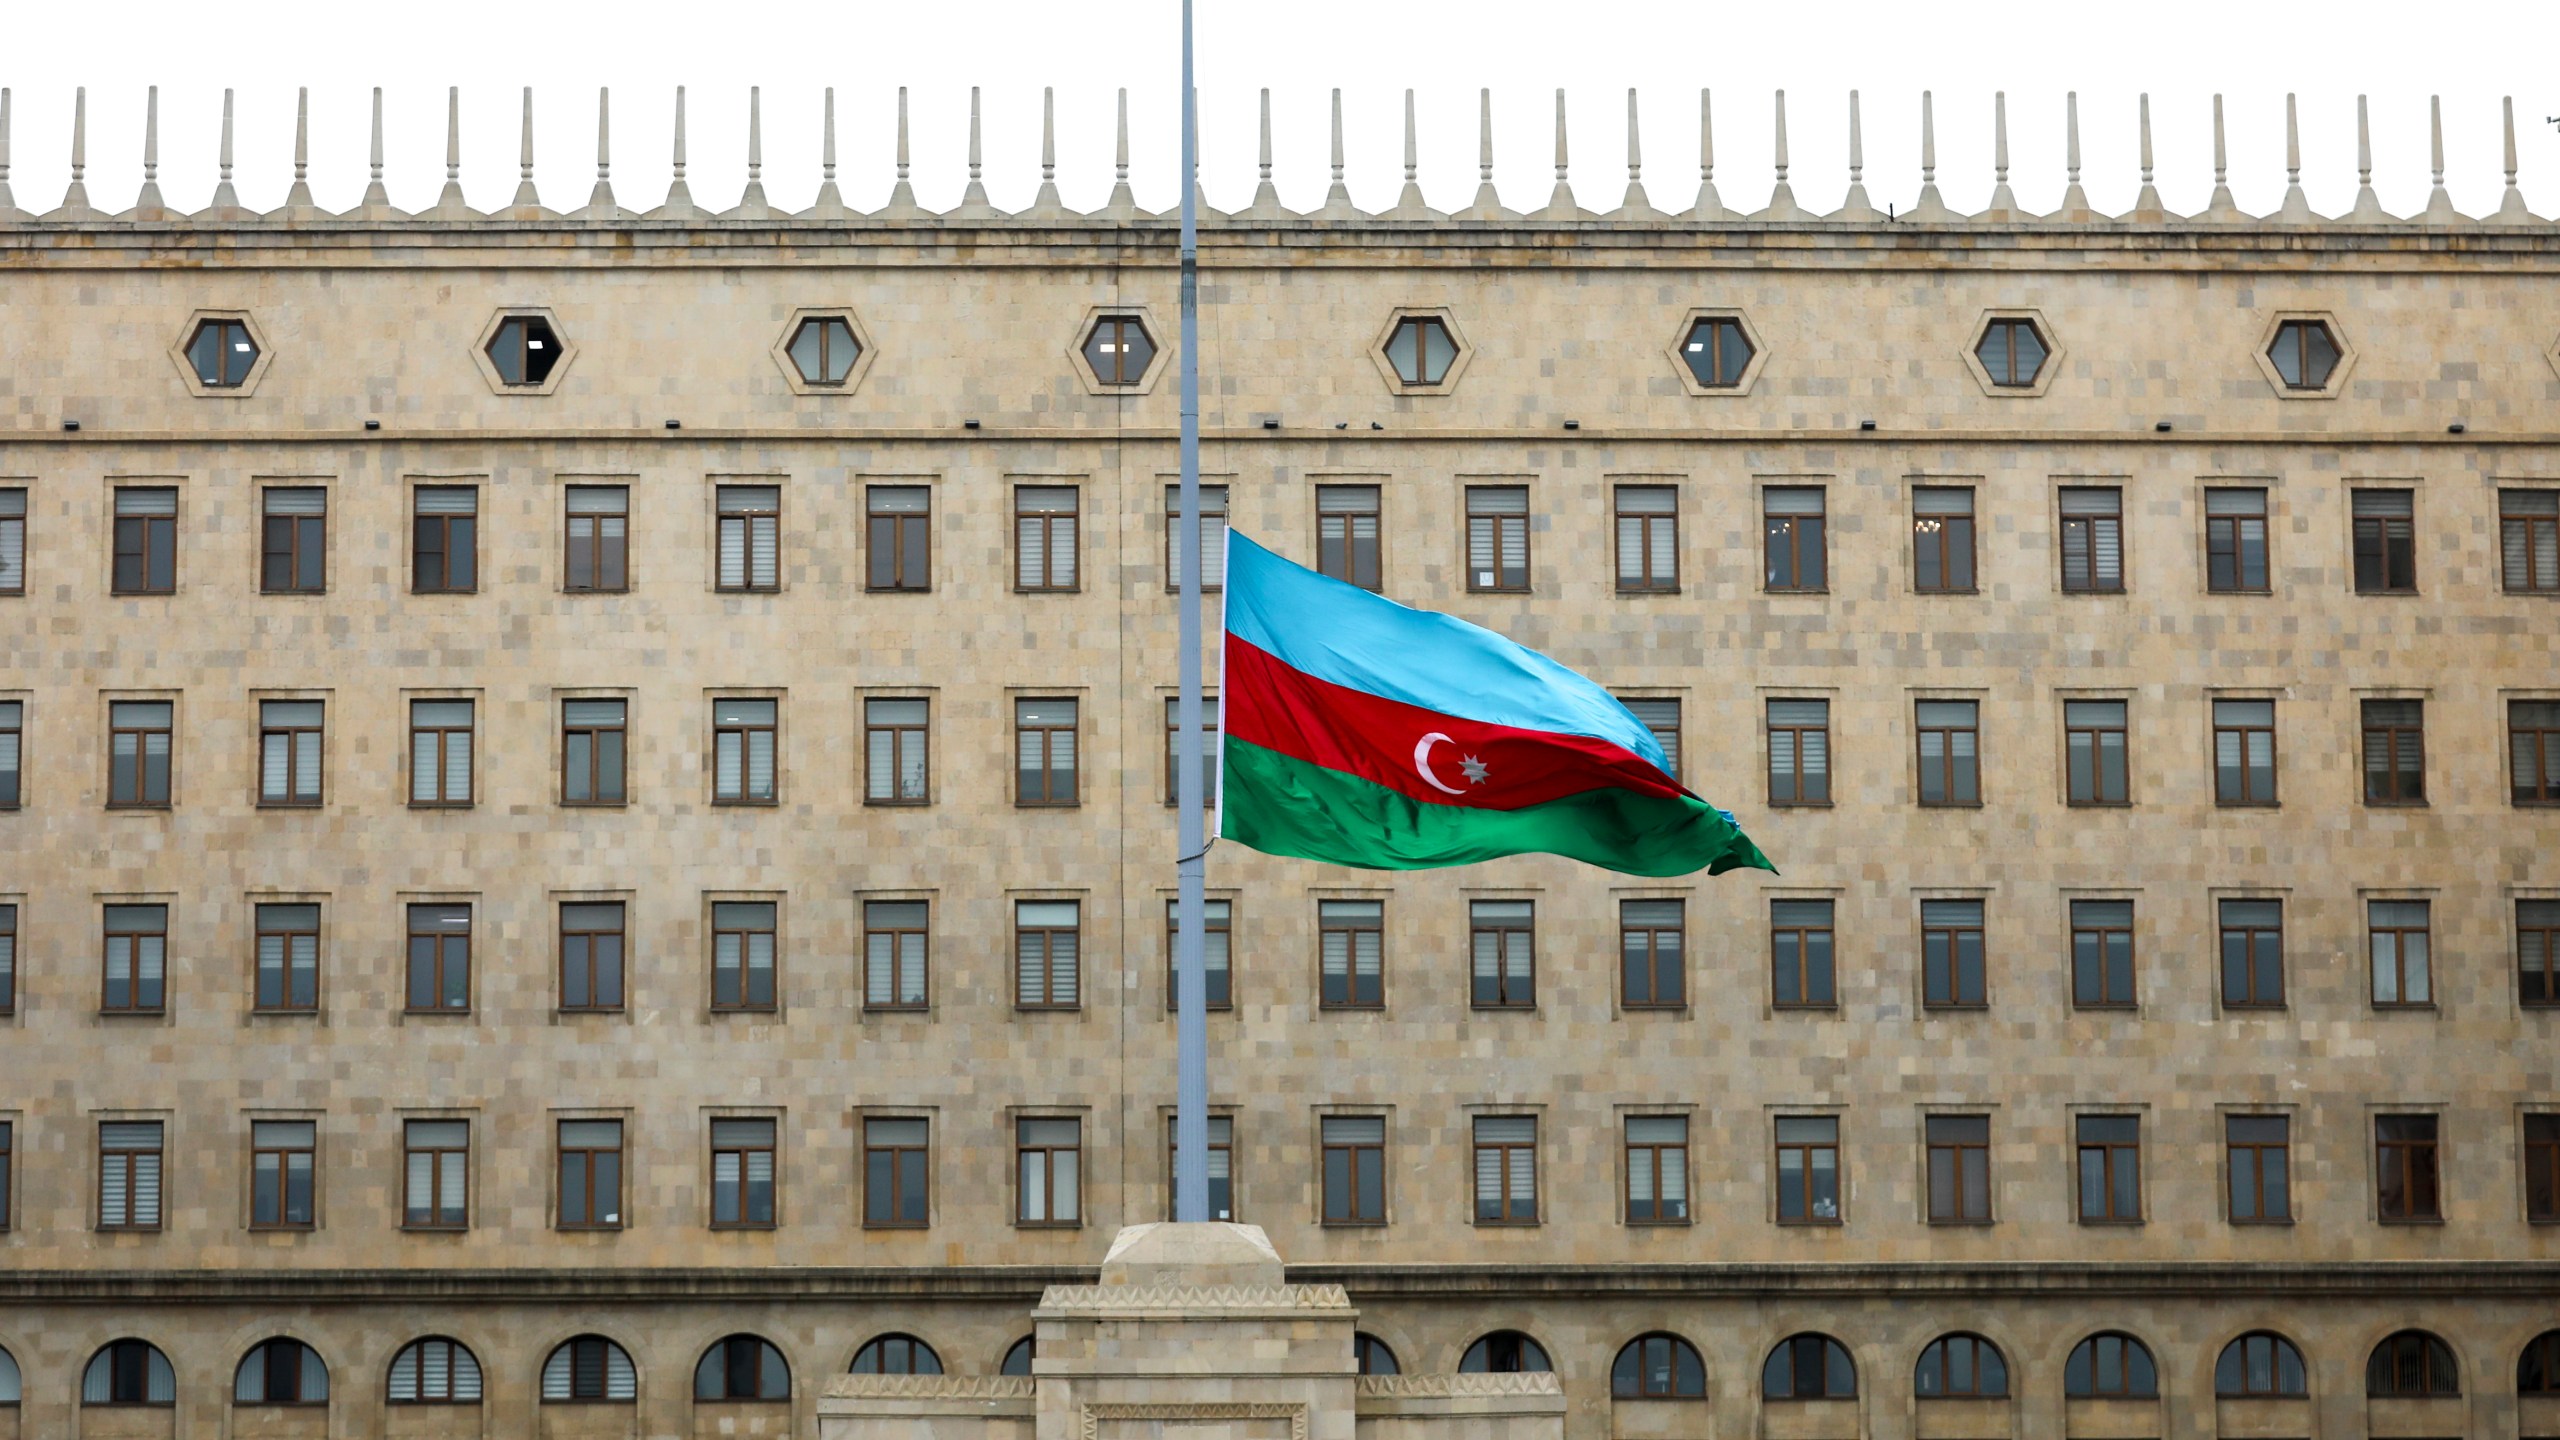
point(586, 840)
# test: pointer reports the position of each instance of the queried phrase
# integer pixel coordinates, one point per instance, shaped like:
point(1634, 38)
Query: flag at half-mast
point(1359, 731)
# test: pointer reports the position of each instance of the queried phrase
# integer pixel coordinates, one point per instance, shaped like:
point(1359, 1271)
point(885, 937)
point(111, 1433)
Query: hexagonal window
point(1717, 352)
point(1119, 350)
point(2304, 353)
point(524, 350)
point(222, 353)
point(823, 350)
point(1421, 350)
point(2012, 352)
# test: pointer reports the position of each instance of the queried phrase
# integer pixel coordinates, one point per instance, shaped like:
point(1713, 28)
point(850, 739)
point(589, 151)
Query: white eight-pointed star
point(1475, 768)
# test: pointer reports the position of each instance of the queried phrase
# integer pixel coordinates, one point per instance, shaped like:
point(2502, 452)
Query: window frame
point(1213, 526)
point(2298, 328)
point(446, 526)
point(259, 930)
point(1503, 996)
point(1968, 1166)
point(2402, 969)
point(594, 733)
point(561, 1153)
point(2004, 330)
point(1942, 1348)
point(2527, 522)
point(1049, 581)
point(1501, 525)
point(1506, 1153)
point(745, 732)
point(303, 535)
point(1947, 936)
point(8, 977)
point(2249, 799)
point(744, 1185)
point(14, 505)
point(152, 538)
point(159, 1153)
point(1048, 934)
point(1803, 933)
point(1215, 1147)
point(1049, 798)
point(1678, 930)
point(1948, 541)
point(2541, 932)
point(443, 955)
point(1793, 525)
point(1948, 762)
point(596, 1002)
point(13, 742)
point(2103, 928)
point(2097, 733)
point(285, 1154)
point(1212, 732)
point(269, 732)
point(1806, 1150)
point(1352, 1150)
point(141, 797)
point(2540, 1157)
point(742, 503)
point(1796, 733)
point(136, 1004)
point(440, 1160)
point(1344, 563)
point(1351, 927)
point(2254, 1153)
point(1666, 1157)
point(745, 931)
point(899, 733)
point(443, 751)
point(2092, 528)
point(608, 556)
point(2110, 1154)
point(905, 530)
point(1022, 1148)
point(2224, 930)
point(2227, 534)
point(2421, 1160)
point(873, 930)
point(1119, 323)
point(2394, 738)
point(826, 326)
point(1644, 522)
point(2387, 532)
point(1220, 975)
point(2545, 748)
point(898, 1161)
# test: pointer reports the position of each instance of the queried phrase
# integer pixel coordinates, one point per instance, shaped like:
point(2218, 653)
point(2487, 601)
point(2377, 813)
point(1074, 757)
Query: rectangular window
point(1355, 1169)
point(1959, 1169)
point(1045, 751)
point(1208, 750)
point(1498, 537)
point(1222, 1172)
point(893, 748)
point(750, 538)
point(8, 1155)
point(2244, 752)
point(896, 1181)
point(2537, 952)
point(2395, 755)
point(591, 956)
point(895, 945)
point(2399, 943)
point(146, 541)
point(1657, 1169)
point(1951, 953)
point(1044, 537)
point(2110, 1149)
point(742, 751)
point(439, 958)
point(140, 737)
point(599, 540)
point(288, 957)
point(1942, 540)
point(129, 1158)
point(1661, 719)
point(590, 1174)
point(2252, 954)
point(2405, 1167)
point(1347, 534)
point(2259, 1155)
point(2541, 1169)
point(591, 752)
point(1950, 767)
point(1502, 936)
point(1648, 538)
point(13, 542)
point(2093, 733)
point(440, 743)
point(742, 1174)
point(293, 554)
point(13, 722)
point(1800, 952)
point(2533, 751)
point(1044, 947)
point(283, 1155)
point(1213, 538)
point(2235, 541)
point(898, 528)
point(2101, 954)
point(1791, 520)
point(2528, 540)
point(289, 751)
point(1048, 1168)
point(2386, 542)
point(1651, 972)
point(1808, 1170)
point(2093, 540)
point(8, 959)
point(137, 960)
point(1351, 940)
point(1216, 933)
point(436, 1167)
point(1506, 1169)
point(742, 944)
point(445, 555)
point(1799, 752)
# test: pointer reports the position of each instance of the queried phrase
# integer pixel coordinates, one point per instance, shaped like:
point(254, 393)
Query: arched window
point(1372, 1356)
point(2259, 1363)
point(129, 1372)
point(1658, 1366)
point(2414, 1365)
point(9, 1383)
point(435, 1371)
point(1960, 1367)
point(589, 1368)
point(1504, 1352)
point(1018, 1356)
point(2538, 1368)
point(2110, 1365)
point(742, 1367)
point(1809, 1367)
point(896, 1355)
point(280, 1372)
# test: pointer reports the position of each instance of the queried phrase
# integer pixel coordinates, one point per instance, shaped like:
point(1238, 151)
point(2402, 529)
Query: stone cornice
point(931, 1387)
point(1442, 1387)
point(1101, 434)
point(1068, 1300)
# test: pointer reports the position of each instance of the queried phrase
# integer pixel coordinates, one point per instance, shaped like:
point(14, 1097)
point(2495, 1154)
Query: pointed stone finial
point(2004, 202)
point(600, 201)
point(902, 195)
point(1636, 205)
point(2220, 207)
point(1337, 197)
point(973, 199)
point(9, 204)
point(1410, 204)
point(1854, 206)
point(1782, 198)
point(830, 202)
point(1931, 207)
point(2368, 207)
point(1266, 197)
point(374, 194)
point(1560, 202)
point(2075, 201)
point(527, 199)
point(297, 199)
point(2439, 209)
point(751, 204)
point(1709, 206)
point(75, 196)
point(449, 204)
point(1124, 203)
point(2511, 210)
point(2296, 209)
point(146, 205)
point(1488, 202)
point(1046, 205)
point(2147, 209)
point(679, 202)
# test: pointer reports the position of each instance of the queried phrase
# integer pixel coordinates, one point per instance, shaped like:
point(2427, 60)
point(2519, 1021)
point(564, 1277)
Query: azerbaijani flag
point(1358, 731)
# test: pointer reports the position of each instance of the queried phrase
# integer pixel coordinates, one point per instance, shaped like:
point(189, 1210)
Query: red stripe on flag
point(1432, 757)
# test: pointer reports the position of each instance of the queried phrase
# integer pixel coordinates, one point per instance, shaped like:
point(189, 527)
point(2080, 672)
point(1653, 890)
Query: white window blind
point(448, 500)
point(2369, 504)
point(151, 502)
point(297, 500)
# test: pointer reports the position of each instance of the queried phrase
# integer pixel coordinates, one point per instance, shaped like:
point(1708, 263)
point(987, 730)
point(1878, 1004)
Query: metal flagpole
point(1191, 1097)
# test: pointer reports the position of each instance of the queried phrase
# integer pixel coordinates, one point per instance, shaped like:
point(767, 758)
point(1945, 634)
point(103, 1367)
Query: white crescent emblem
point(1422, 763)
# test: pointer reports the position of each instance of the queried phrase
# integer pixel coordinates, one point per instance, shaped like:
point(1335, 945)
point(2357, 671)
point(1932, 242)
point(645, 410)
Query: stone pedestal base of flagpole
point(1193, 1333)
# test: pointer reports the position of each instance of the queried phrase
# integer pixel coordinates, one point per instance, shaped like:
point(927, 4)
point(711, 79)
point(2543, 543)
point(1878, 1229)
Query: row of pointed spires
point(1708, 208)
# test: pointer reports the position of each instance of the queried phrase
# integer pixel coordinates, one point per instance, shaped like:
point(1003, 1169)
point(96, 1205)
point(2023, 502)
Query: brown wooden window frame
point(2541, 1168)
point(583, 947)
point(1959, 1165)
point(1048, 796)
point(1051, 994)
point(139, 1000)
point(2529, 531)
point(2104, 779)
point(1984, 1372)
point(2408, 960)
point(740, 731)
point(1654, 533)
point(1660, 717)
point(1339, 543)
point(1790, 759)
point(2243, 732)
point(13, 751)
point(1957, 773)
point(883, 1204)
point(1942, 540)
point(2251, 1156)
point(282, 1150)
point(1642, 951)
point(1512, 987)
point(441, 785)
point(2385, 545)
point(1355, 1158)
point(1706, 340)
point(606, 744)
point(288, 733)
point(443, 956)
point(13, 540)
point(1802, 536)
point(901, 538)
point(740, 1191)
point(287, 538)
point(1802, 934)
point(1512, 1201)
point(753, 514)
point(2533, 750)
point(129, 1159)
point(1955, 959)
point(900, 735)
point(2229, 534)
point(2392, 740)
point(2105, 939)
point(2112, 1156)
point(141, 794)
point(883, 973)
point(830, 332)
point(2299, 332)
point(282, 920)
point(1493, 534)
point(443, 1161)
point(1332, 918)
point(587, 524)
point(2410, 1163)
point(585, 1155)
point(149, 540)
point(2252, 937)
point(1807, 1149)
point(8, 1172)
point(8, 958)
point(454, 532)
point(2000, 339)
point(2092, 531)
point(1110, 337)
point(2538, 949)
point(1666, 1167)
point(733, 988)
point(1044, 576)
point(1049, 1149)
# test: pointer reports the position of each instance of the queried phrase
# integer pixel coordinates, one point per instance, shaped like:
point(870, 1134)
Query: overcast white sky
point(2180, 51)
